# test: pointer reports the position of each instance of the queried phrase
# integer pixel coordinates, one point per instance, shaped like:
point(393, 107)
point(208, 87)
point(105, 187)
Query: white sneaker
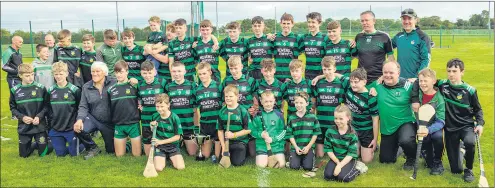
point(361, 167)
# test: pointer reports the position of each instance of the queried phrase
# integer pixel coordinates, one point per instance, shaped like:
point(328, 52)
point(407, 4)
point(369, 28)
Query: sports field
point(107, 170)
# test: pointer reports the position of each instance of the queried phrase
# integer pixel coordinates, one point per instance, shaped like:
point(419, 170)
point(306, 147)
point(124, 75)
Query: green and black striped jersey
point(341, 145)
point(156, 37)
point(302, 129)
point(134, 58)
point(277, 88)
point(64, 103)
point(259, 49)
point(168, 127)
point(328, 96)
point(123, 104)
point(240, 48)
point(32, 101)
point(239, 120)
point(87, 60)
point(147, 98)
point(362, 105)
point(291, 88)
point(183, 101)
point(163, 69)
point(285, 49)
point(182, 51)
point(314, 48)
point(209, 102)
point(204, 53)
point(342, 52)
point(247, 89)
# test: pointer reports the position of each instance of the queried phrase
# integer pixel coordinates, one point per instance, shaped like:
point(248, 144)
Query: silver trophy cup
point(199, 140)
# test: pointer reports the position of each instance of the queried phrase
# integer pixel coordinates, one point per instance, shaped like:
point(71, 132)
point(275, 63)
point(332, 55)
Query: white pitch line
point(3, 118)
point(8, 125)
point(262, 177)
point(4, 139)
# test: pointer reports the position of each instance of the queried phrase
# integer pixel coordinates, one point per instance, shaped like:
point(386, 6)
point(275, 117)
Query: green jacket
point(109, 55)
point(413, 52)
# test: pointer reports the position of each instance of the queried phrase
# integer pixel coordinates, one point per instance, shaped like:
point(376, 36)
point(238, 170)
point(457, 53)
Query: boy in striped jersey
point(181, 49)
point(124, 111)
point(329, 94)
point(208, 98)
point(205, 50)
point(341, 145)
point(298, 83)
point(364, 113)
point(88, 57)
point(269, 127)
point(233, 45)
point(132, 54)
point(239, 125)
point(163, 70)
point(269, 83)
point(247, 89)
point(148, 88)
point(182, 94)
point(168, 133)
point(312, 45)
point(302, 130)
point(64, 102)
point(259, 47)
point(29, 104)
point(42, 68)
point(286, 47)
point(70, 54)
point(341, 50)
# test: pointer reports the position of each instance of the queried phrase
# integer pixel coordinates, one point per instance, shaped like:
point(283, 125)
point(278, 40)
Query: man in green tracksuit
point(109, 52)
point(413, 46)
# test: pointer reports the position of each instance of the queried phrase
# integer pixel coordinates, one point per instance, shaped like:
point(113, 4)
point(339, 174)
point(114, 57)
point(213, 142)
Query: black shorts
point(187, 134)
point(210, 131)
point(167, 150)
point(147, 134)
point(321, 138)
point(365, 137)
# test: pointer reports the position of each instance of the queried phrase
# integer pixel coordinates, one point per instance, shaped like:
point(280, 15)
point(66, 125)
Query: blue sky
point(47, 15)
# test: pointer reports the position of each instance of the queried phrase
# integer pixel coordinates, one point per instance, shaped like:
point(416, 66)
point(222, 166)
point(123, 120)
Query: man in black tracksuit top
point(11, 59)
point(463, 117)
point(68, 53)
point(29, 104)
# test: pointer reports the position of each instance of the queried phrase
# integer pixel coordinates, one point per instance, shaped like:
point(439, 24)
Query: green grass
point(107, 170)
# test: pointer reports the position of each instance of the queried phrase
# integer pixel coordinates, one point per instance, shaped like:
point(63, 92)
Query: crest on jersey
point(412, 42)
point(128, 91)
point(273, 122)
point(72, 53)
point(33, 93)
point(66, 96)
point(459, 96)
point(397, 93)
point(91, 60)
point(42, 140)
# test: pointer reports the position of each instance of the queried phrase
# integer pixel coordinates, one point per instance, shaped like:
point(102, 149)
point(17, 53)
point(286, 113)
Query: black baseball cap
point(409, 12)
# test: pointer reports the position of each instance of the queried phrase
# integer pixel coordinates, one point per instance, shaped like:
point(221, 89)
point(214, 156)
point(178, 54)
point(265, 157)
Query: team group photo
point(271, 96)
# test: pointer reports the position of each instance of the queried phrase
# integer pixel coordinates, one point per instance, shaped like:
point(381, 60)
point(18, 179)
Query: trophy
point(200, 139)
